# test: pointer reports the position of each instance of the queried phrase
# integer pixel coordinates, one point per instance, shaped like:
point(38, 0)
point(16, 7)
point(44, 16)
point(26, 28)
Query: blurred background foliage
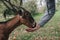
point(33, 6)
point(30, 5)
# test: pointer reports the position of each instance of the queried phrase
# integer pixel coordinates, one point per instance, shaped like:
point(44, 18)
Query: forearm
point(49, 14)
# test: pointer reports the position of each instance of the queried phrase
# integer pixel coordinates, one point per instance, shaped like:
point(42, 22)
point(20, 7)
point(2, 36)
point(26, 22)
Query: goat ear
point(20, 12)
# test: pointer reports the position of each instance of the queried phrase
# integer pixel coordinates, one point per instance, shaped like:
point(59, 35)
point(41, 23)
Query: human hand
point(33, 29)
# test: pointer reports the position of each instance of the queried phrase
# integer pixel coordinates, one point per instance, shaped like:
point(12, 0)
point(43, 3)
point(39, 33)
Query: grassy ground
point(51, 31)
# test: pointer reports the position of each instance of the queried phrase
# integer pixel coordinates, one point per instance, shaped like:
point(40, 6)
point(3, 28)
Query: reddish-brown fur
point(7, 27)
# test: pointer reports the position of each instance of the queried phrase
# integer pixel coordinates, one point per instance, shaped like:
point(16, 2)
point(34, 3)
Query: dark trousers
point(49, 12)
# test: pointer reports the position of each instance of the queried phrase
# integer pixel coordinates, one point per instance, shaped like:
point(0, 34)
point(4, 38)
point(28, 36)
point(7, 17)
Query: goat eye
point(26, 14)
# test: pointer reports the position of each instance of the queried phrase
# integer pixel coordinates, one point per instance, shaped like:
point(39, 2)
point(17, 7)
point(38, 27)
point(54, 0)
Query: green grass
point(51, 31)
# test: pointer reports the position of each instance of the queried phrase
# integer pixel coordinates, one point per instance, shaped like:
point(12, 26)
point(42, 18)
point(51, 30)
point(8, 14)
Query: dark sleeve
point(49, 13)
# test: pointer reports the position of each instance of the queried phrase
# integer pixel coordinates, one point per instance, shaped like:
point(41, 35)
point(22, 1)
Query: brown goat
point(21, 18)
